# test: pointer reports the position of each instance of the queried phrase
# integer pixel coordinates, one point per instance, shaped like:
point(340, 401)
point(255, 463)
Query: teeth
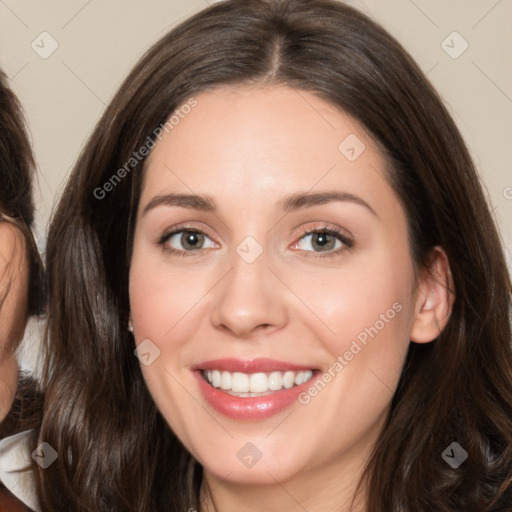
point(299, 378)
point(244, 384)
point(225, 380)
point(275, 381)
point(240, 382)
point(288, 379)
point(215, 379)
point(258, 383)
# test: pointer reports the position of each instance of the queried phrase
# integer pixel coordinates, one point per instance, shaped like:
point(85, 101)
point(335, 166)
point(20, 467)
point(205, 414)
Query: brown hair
point(16, 176)
point(116, 451)
point(16, 207)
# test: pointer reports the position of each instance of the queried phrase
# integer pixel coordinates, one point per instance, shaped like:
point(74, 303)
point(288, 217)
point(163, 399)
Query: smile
point(255, 384)
point(252, 390)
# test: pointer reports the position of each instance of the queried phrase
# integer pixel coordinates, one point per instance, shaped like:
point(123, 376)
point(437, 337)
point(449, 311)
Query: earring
point(130, 326)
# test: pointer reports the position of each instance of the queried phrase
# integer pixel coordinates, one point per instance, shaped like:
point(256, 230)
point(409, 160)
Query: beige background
point(100, 40)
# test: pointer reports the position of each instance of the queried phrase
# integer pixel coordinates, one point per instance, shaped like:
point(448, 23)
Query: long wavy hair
point(17, 173)
point(116, 452)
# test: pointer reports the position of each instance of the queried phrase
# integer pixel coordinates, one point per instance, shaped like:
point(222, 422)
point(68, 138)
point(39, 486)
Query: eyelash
point(180, 229)
point(348, 244)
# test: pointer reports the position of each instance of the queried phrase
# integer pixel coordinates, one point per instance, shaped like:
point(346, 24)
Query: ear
point(434, 299)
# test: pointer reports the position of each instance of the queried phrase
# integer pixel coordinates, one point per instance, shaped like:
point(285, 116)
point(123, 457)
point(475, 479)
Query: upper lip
point(262, 365)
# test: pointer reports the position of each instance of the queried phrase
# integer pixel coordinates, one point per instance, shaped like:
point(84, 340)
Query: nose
point(249, 300)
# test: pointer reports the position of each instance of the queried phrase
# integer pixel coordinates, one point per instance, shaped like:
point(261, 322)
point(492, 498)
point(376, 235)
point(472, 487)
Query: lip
point(250, 408)
point(260, 364)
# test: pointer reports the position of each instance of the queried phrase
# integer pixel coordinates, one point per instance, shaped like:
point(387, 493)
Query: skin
point(13, 310)
point(248, 148)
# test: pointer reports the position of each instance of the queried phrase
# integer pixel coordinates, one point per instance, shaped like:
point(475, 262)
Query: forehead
point(262, 143)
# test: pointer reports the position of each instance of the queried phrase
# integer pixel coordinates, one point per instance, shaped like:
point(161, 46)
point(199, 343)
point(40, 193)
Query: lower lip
point(249, 408)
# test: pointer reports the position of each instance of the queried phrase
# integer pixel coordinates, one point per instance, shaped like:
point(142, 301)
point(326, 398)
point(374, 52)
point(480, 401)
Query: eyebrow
point(305, 200)
point(191, 201)
point(291, 203)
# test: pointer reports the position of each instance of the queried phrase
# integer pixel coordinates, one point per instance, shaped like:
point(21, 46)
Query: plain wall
point(98, 42)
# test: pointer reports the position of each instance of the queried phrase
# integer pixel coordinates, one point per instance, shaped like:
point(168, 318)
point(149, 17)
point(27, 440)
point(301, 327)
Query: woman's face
point(270, 250)
point(13, 308)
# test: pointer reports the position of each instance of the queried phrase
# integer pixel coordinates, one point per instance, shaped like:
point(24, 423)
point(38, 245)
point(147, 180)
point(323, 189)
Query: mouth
point(250, 385)
point(252, 390)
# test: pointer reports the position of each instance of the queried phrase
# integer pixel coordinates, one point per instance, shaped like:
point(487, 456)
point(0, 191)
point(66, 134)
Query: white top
point(16, 471)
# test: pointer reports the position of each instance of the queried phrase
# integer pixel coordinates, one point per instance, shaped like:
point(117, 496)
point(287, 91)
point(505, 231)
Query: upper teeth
point(238, 382)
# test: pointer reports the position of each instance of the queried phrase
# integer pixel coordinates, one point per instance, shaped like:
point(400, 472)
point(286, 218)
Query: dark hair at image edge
point(116, 452)
point(17, 168)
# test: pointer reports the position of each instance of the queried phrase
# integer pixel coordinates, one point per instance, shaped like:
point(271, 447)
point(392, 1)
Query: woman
point(375, 376)
point(21, 295)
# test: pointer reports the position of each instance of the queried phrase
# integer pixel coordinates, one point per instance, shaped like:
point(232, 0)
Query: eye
point(324, 239)
point(186, 240)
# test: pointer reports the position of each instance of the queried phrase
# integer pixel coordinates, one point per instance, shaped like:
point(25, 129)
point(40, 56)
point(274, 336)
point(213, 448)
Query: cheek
point(352, 301)
point(162, 295)
point(163, 301)
point(361, 315)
